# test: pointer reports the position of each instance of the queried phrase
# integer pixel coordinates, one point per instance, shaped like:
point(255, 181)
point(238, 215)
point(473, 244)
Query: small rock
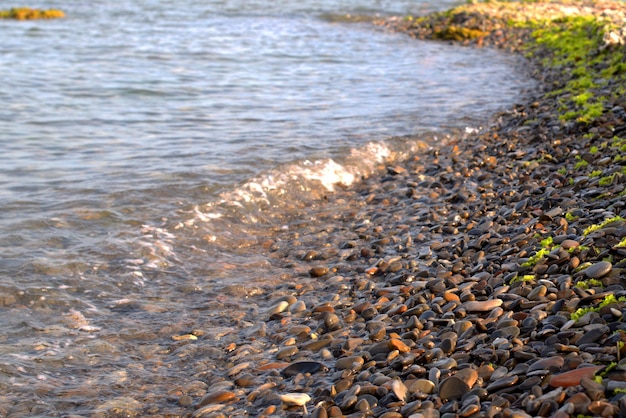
point(573, 377)
point(399, 389)
point(422, 386)
point(598, 270)
point(453, 388)
point(318, 271)
point(218, 396)
point(349, 363)
point(302, 367)
point(482, 306)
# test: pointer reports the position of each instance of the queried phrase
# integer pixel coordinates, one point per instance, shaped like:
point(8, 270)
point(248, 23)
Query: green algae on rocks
point(26, 13)
point(567, 37)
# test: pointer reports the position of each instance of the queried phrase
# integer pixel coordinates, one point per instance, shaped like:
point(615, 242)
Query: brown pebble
point(453, 388)
point(469, 376)
point(272, 365)
point(270, 410)
point(573, 377)
point(482, 306)
point(396, 344)
point(569, 243)
point(219, 396)
point(318, 271)
point(335, 412)
point(185, 400)
point(581, 402)
point(422, 385)
point(603, 409)
point(351, 363)
point(286, 352)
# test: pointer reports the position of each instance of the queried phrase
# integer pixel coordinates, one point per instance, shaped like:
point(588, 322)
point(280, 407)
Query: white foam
point(293, 184)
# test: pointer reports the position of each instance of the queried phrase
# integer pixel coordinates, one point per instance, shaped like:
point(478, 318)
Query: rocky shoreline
point(484, 278)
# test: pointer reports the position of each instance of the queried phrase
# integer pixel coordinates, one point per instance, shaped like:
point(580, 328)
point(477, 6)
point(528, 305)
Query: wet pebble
point(482, 306)
point(573, 377)
point(302, 367)
point(598, 270)
point(453, 388)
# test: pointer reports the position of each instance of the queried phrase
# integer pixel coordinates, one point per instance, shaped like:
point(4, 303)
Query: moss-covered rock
point(26, 13)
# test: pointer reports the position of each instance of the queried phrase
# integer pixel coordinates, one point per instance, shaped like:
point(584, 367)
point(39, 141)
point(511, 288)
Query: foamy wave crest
point(284, 194)
point(299, 183)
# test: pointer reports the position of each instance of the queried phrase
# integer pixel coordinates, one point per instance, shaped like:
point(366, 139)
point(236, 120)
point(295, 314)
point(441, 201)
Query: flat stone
point(593, 335)
point(593, 389)
point(461, 326)
point(482, 306)
point(400, 390)
point(506, 332)
point(569, 243)
point(422, 386)
point(603, 409)
point(318, 271)
point(550, 364)
point(538, 292)
point(580, 401)
point(302, 367)
point(453, 388)
point(286, 352)
point(397, 344)
point(598, 270)
point(351, 362)
point(469, 376)
point(218, 396)
point(502, 383)
point(298, 399)
point(573, 377)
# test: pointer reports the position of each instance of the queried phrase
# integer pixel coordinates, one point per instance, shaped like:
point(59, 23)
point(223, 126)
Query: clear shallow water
point(147, 150)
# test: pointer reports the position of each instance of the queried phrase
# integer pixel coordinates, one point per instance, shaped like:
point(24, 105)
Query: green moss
point(601, 225)
point(607, 180)
point(621, 244)
point(583, 98)
point(580, 163)
point(595, 173)
point(536, 257)
point(525, 278)
point(591, 111)
point(569, 217)
point(574, 44)
point(457, 33)
point(562, 171)
point(547, 242)
point(589, 283)
point(611, 366)
point(608, 300)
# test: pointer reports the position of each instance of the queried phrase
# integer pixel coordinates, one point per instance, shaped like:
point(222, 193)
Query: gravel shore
point(484, 278)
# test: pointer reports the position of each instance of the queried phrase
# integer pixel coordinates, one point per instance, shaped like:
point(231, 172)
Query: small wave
point(282, 193)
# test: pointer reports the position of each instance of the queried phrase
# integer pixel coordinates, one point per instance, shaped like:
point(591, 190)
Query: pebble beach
point(481, 278)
